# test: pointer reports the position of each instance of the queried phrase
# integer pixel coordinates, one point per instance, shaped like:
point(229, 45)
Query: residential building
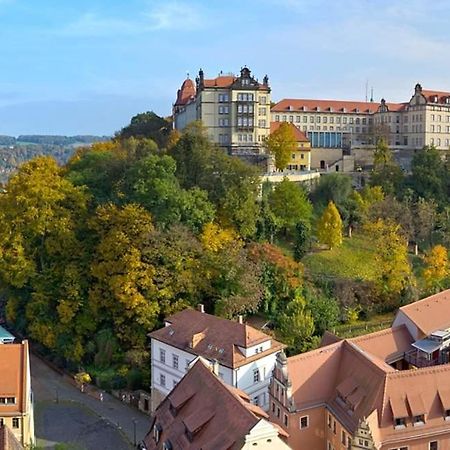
point(385, 390)
point(16, 401)
point(235, 110)
point(335, 126)
point(301, 157)
point(245, 356)
point(202, 412)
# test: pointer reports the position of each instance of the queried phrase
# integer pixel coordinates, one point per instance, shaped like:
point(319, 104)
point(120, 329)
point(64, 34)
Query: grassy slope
point(353, 259)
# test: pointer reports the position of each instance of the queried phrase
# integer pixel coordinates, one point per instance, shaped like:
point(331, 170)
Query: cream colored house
point(16, 402)
point(235, 110)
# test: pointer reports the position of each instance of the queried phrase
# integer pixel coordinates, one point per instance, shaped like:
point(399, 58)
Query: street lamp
point(134, 431)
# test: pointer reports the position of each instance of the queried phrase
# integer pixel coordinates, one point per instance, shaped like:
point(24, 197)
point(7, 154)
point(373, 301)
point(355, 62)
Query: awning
point(398, 406)
point(416, 404)
point(426, 345)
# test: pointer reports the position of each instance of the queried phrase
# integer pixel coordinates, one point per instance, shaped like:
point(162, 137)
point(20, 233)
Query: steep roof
point(14, 374)
point(222, 81)
point(300, 136)
point(213, 337)
point(7, 439)
point(185, 93)
point(431, 313)
point(201, 412)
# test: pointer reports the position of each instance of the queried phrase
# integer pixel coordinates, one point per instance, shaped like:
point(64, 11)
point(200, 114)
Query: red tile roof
point(431, 313)
point(222, 81)
point(202, 412)
point(336, 106)
point(300, 136)
point(186, 93)
point(430, 94)
point(213, 337)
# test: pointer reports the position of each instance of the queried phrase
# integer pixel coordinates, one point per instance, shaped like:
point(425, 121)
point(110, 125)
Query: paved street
point(63, 414)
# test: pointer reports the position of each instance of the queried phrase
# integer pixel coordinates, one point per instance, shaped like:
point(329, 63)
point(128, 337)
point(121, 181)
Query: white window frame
point(300, 422)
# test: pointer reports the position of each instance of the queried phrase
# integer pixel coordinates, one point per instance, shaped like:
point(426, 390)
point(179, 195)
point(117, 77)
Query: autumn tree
point(42, 257)
point(394, 269)
point(123, 291)
point(329, 227)
point(437, 267)
point(302, 240)
point(281, 144)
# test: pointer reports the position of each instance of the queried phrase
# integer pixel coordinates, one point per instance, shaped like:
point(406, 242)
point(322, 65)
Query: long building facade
point(235, 110)
point(423, 120)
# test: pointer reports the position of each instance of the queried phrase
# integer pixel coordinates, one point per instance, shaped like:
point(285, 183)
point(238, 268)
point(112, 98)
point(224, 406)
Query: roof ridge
point(328, 348)
point(384, 331)
point(419, 371)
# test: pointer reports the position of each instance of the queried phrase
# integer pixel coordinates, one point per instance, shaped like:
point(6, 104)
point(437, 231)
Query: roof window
point(399, 423)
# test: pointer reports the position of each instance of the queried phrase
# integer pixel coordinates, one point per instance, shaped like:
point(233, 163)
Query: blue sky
point(87, 66)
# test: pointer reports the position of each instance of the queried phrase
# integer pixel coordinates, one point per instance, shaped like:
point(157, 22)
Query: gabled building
point(235, 110)
point(367, 392)
point(7, 439)
point(301, 157)
point(16, 401)
point(244, 356)
point(202, 412)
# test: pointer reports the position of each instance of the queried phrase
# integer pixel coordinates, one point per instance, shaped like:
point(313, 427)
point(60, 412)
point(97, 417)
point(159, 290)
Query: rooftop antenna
point(371, 94)
point(367, 89)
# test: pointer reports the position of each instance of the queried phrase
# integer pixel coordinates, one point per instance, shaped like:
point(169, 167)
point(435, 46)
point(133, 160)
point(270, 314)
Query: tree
point(296, 324)
point(123, 291)
point(281, 144)
point(148, 125)
point(329, 227)
point(333, 187)
point(382, 155)
point(424, 220)
point(392, 258)
point(430, 177)
point(437, 267)
point(302, 240)
point(290, 204)
point(324, 310)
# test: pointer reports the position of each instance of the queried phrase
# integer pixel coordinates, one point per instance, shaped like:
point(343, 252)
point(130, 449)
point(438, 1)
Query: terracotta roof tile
point(7, 439)
point(213, 337)
point(430, 94)
point(222, 81)
point(431, 313)
point(186, 93)
point(300, 136)
point(215, 416)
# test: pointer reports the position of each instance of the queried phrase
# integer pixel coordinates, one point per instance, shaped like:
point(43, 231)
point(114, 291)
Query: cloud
point(175, 15)
point(159, 16)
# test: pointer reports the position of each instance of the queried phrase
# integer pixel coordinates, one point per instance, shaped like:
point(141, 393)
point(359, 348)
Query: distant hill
point(14, 151)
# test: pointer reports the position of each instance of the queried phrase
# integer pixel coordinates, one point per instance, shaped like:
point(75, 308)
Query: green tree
point(281, 144)
point(302, 240)
point(329, 227)
point(334, 187)
point(148, 125)
point(290, 204)
point(296, 325)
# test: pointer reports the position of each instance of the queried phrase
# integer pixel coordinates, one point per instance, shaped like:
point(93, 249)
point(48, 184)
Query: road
point(65, 415)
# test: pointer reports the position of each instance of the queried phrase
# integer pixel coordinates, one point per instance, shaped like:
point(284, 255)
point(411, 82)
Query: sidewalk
point(49, 385)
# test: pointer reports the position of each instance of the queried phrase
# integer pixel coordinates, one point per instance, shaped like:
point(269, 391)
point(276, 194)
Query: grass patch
point(354, 259)
point(376, 323)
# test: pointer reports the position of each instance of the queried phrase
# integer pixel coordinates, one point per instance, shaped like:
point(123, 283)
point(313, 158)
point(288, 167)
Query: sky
point(87, 66)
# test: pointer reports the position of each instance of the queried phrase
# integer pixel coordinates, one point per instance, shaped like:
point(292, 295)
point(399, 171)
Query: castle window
point(162, 355)
point(256, 377)
point(433, 445)
point(285, 420)
point(15, 422)
point(400, 422)
point(304, 422)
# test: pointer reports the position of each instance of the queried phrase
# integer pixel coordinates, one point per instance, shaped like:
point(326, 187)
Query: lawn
point(376, 323)
point(354, 259)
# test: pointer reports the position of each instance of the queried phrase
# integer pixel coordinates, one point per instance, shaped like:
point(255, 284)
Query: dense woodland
point(96, 252)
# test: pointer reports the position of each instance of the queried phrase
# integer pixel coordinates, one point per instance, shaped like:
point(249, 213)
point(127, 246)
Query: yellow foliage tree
point(329, 228)
point(437, 267)
point(281, 144)
point(394, 269)
point(214, 238)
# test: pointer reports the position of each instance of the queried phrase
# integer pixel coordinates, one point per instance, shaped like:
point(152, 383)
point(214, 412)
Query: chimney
point(201, 307)
point(215, 367)
point(196, 338)
point(240, 319)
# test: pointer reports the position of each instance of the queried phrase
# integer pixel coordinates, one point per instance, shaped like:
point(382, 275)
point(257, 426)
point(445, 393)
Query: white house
point(244, 357)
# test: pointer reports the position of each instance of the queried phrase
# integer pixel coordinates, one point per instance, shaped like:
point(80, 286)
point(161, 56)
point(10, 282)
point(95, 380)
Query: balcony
point(421, 359)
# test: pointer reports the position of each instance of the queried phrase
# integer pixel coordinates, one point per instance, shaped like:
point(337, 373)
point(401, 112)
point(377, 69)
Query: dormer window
point(400, 423)
point(447, 414)
point(157, 430)
point(435, 99)
point(167, 445)
point(419, 420)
